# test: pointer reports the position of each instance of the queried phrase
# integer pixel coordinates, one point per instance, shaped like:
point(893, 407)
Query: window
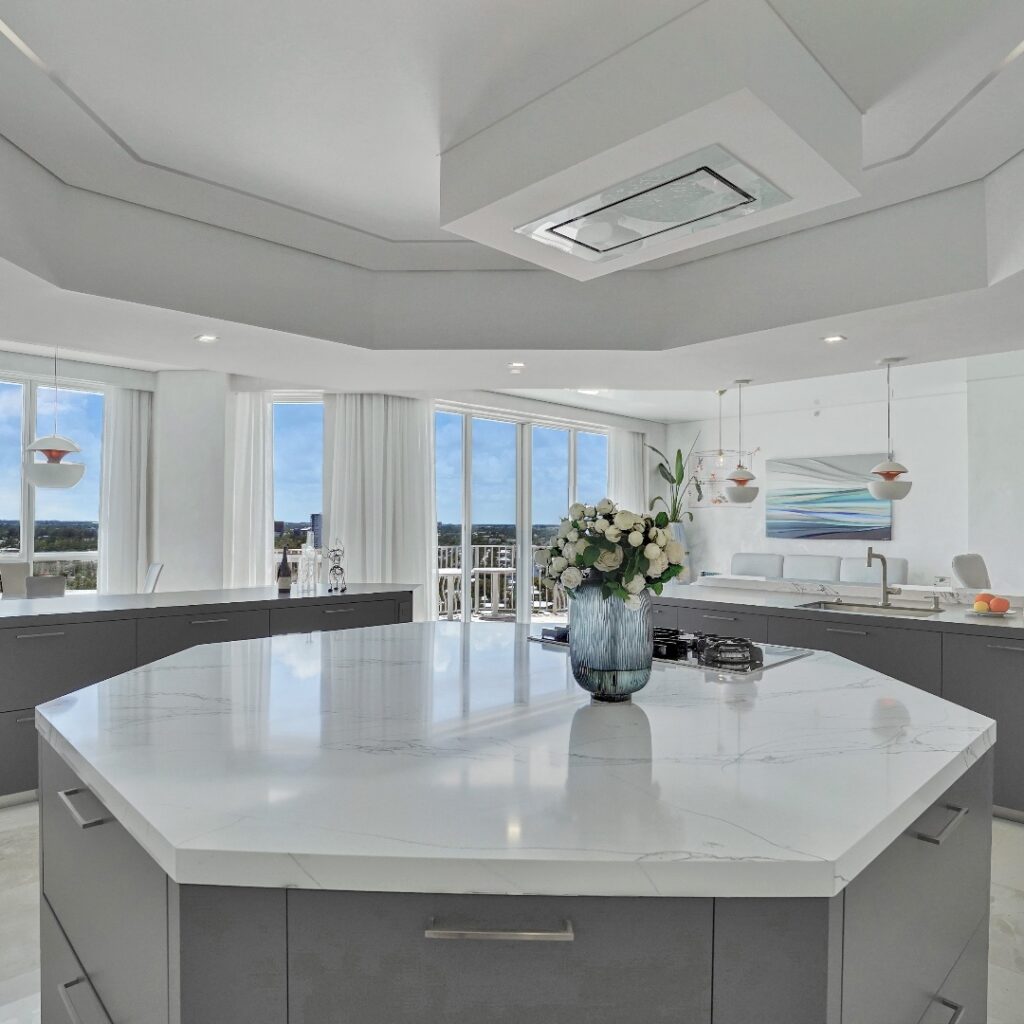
point(298, 472)
point(57, 530)
point(478, 472)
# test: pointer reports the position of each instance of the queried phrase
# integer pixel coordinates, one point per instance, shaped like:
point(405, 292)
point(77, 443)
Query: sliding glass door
point(550, 471)
point(494, 477)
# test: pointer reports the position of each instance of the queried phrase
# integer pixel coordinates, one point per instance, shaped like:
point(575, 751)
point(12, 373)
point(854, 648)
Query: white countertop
point(437, 757)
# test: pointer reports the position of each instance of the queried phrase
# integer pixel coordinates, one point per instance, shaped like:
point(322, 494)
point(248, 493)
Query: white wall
point(189, 417)
point(846, 415)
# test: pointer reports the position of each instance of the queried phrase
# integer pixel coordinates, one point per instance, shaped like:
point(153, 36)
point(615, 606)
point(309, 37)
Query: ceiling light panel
point(680, 198)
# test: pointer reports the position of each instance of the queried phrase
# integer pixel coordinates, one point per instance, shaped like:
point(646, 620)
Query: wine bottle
point(284, 574)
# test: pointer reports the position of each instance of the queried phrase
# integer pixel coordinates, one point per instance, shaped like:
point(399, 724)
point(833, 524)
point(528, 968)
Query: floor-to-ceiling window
point(56, 529)
point(298, 472)
point(512, 480)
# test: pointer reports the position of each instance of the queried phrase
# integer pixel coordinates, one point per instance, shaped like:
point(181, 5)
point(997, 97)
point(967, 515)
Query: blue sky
point(298, 460)
point(494, 470)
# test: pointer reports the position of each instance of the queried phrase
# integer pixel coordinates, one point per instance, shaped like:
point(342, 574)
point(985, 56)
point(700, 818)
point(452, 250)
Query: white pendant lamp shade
point(887, 485)
point(54, 472)
point(741, 489)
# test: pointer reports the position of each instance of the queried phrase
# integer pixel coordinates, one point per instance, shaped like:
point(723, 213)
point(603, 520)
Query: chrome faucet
point(873, 556)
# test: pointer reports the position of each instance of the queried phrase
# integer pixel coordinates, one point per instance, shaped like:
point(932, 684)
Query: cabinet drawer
point(966, 986)
point(927, 898)
point(172, 633)
point(986, 674)
point(39, 663)
point(18, 756)
point(66, 995)
point(912, 656)
point(665, 616)
point(725, 623)
point(337, 615)
point(108, 895)
point(628, 959)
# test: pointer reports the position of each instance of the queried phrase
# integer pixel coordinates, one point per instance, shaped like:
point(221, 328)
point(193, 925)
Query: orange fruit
point(986, 597)
point(999, 604)
point(981, 606)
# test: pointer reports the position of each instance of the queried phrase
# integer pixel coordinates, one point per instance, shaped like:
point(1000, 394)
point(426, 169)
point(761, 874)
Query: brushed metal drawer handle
point(37, 636)
point(943, 834)
point(65, 797)
point(847, 632)
point(25, 721)
point(721, 618)
point(337, 611)
point(958, 1009)
point(206, 622)
point(1004, 647)
point(65, 997)
point(566, 934)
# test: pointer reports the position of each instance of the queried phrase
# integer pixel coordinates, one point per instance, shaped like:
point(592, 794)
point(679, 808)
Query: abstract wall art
point(825, 498)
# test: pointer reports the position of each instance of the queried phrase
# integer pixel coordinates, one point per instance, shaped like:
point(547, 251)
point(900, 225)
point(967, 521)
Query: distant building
point(278, 527)
point(316, 520)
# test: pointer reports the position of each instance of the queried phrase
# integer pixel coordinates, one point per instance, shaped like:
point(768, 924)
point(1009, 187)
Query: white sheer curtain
point(627, 469)
point(249, 490)
point(124, 491)
point(379, 490)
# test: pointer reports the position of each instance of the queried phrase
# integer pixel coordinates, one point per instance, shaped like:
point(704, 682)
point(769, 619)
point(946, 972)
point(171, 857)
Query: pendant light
point(721, 451)
point(53, 472)
point(887, 485)
point(740, 491)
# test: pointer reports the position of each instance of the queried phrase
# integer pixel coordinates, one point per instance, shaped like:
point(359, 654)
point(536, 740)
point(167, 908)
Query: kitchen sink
point(901, 611)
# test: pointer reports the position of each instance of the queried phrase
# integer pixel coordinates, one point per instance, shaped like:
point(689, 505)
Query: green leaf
point(661, 520)
point(591, 555)
point(680, 468)
point(657, 588)
point(666, 475)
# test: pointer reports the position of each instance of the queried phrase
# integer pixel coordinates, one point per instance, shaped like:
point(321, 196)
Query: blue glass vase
point(611, 647)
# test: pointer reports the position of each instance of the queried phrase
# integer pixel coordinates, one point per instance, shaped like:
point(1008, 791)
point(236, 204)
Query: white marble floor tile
point(1008, 854)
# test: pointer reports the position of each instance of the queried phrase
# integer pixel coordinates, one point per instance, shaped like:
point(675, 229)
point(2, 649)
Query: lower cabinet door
point(965, 991)
point(66, 995)
point(910, 914)
point(160, 637)
point(409, 958)
point(911, 656)
point(336, 615)
point(18, 757)
point(664, 615)
point(108, 894)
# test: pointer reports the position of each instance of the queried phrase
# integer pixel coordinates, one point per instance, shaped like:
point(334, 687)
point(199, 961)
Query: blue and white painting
point(826, 498)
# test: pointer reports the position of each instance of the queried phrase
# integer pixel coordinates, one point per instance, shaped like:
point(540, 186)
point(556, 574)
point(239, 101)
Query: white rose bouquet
point(626, 551)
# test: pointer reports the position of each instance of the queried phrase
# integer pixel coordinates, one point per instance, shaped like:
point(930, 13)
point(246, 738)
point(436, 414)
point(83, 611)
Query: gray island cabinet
point(430, 823)
point(55, 646)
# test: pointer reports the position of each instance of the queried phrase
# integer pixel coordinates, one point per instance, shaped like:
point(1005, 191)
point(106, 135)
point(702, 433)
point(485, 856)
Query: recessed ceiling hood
point(679, 198)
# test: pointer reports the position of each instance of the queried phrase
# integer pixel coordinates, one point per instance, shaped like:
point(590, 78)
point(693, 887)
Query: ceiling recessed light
point(589, 391)
point(516, 367)
point(833, 339)
point(206, 339)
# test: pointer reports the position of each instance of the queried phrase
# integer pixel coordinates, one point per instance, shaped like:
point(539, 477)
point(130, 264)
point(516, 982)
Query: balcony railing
point(492, 582)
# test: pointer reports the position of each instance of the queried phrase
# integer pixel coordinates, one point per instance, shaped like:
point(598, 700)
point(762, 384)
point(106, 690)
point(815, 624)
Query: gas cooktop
point(701, 650)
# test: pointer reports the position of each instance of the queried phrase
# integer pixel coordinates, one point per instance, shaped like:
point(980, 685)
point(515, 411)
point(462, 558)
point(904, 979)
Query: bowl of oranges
point(990, 604)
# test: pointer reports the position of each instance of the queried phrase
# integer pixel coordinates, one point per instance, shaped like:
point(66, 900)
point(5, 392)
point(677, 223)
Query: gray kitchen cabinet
point(336, 615)
point(371, 958)
point(724, 622)
point(160, 637)
point(966, 986)
point(18, 758)
point(664, 615)
point(66, 995)
point(912, 656)
point(926, 895)
point(39, 663)
point(108, 894)
point(986, 674)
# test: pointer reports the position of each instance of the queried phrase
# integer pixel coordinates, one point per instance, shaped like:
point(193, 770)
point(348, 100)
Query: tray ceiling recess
point(695, 133)
point(680, 198)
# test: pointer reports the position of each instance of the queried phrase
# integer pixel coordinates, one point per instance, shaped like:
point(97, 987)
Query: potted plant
point(607, 560)
point(674, 474)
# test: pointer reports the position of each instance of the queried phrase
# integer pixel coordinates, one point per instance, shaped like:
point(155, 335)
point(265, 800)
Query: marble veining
point(442, 757)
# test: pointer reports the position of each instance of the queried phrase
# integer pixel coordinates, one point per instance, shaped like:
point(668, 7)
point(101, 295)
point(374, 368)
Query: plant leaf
point(680, 468)
point(661, 520)
point(666, 475)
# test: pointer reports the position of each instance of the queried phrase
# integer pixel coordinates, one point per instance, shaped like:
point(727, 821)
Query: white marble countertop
point(26, 611)
point(437, 757)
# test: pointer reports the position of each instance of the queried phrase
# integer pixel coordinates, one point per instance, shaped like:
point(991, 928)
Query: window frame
point(31, 383)
point(524, 423)
point(286, 397)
